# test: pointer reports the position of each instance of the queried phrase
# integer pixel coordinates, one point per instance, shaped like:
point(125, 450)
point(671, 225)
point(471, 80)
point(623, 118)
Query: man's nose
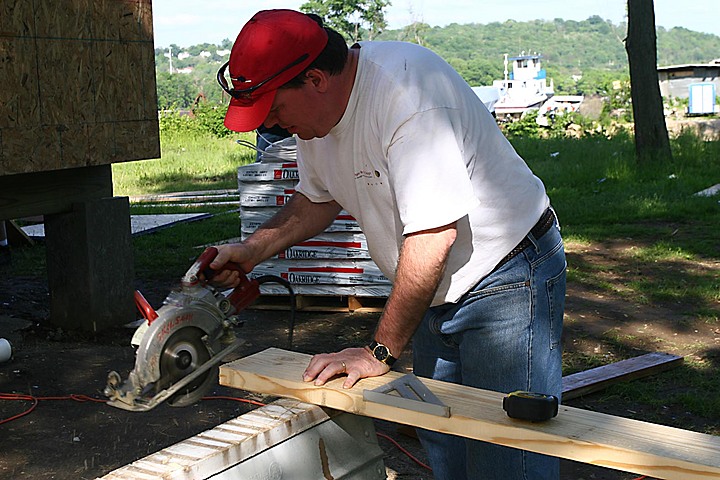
point(270, 120)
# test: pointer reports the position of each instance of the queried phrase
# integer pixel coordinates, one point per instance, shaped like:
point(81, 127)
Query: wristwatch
point(382, 353)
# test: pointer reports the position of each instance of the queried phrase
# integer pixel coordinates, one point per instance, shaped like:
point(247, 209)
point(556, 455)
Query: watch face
point(381, 352)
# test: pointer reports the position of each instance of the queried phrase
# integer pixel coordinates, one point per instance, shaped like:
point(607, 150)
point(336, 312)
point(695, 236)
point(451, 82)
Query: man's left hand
point(357, 363)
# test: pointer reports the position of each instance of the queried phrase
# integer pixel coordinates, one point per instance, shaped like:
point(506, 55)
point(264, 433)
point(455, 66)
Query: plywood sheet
point(78, 81)
point(19, 97)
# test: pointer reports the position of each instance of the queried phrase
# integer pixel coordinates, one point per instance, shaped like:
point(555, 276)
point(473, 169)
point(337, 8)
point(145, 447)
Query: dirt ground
point(65, 439)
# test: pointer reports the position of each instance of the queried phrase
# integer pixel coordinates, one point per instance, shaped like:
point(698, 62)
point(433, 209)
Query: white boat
point(524, 88)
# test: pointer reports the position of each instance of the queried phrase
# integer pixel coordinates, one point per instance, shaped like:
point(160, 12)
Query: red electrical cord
point(35, 400)
point(399, 447)
point(235, 399)
point(84, 398)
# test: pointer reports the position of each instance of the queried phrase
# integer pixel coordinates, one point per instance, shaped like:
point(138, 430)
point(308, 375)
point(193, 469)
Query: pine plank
point(580, 435)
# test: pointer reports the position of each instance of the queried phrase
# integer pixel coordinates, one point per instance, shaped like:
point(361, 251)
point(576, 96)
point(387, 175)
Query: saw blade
point(182, 354)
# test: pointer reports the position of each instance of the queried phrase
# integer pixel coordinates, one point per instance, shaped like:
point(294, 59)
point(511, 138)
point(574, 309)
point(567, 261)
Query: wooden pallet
point(321, 303)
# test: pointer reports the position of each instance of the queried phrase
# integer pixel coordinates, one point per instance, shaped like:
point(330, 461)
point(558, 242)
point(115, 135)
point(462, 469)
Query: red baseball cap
point(270, 50)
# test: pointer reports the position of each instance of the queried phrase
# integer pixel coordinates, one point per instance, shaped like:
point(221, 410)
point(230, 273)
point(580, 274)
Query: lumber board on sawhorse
point(580, 435)
point(282, 439)
point(598, 378)
point(217, 449)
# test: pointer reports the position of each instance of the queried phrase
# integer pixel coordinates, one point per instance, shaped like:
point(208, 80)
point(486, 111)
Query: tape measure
point(535, 407)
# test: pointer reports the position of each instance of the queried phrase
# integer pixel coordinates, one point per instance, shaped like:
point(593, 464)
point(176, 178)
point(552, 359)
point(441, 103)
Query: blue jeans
point(503, 335)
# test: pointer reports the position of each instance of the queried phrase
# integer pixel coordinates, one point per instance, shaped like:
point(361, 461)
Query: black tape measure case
point(535, 407)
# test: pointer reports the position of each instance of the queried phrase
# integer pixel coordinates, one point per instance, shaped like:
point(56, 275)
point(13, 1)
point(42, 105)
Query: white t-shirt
point(416, 149)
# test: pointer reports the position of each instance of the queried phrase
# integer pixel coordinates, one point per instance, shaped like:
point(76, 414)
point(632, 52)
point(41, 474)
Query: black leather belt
point(537, 231)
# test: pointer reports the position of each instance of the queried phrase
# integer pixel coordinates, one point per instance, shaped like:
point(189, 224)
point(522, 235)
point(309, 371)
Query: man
point(452, 215)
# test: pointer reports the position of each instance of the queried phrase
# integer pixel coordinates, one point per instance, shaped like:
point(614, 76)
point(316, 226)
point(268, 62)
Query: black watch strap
point(382, 353)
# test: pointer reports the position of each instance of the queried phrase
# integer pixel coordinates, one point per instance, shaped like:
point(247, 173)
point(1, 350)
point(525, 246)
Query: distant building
point(675, 80)
point(183, 55)
point(222, 53)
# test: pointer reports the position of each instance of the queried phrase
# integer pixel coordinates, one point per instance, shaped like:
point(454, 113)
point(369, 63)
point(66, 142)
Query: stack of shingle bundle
point(336, 262)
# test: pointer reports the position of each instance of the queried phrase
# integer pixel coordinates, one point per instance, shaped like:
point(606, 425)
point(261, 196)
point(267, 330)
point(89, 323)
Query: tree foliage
point(354, 19)
point(174, 91)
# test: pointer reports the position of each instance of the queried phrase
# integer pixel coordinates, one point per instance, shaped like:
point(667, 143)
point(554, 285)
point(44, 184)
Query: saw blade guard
point(172, 319)
point(180, 345)
point(203, 319)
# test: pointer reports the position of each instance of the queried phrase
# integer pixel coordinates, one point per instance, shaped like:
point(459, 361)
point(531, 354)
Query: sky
point(191, 22)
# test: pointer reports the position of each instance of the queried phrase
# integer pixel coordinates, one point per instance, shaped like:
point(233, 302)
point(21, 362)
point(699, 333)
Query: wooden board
point(139, 224)
point(580, 435)
point(598, 378)
point(15, 234)
point(45, 193)
point(184, 198)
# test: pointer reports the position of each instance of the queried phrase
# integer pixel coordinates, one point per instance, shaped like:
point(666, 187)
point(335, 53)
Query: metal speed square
point(410, 393)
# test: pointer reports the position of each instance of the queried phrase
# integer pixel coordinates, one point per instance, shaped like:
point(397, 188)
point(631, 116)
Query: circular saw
point(180, 346)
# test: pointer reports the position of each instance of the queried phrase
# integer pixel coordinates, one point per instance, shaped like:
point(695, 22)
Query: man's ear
point(316, 78)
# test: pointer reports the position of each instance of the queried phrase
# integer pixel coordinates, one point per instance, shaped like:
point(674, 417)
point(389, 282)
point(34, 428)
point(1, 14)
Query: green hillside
point(591, 48)
point(579, 56)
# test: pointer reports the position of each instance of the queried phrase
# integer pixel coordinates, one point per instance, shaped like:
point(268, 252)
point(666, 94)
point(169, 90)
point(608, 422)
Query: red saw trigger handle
point(241, 296)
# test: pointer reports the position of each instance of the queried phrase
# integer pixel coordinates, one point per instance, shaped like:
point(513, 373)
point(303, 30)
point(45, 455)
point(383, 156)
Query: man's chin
point(310, 136)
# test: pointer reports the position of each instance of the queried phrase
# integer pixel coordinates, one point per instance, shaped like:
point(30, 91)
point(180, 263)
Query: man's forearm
point(420, 269)
point(298, 220)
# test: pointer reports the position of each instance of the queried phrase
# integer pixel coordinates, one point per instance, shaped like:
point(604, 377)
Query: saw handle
point(241, 296)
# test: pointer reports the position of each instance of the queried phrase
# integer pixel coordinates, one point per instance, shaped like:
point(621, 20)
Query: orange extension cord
point(84, 398)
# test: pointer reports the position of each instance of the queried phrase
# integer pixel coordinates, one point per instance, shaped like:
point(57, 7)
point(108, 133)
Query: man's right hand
point(237, 253)
point(298, 220)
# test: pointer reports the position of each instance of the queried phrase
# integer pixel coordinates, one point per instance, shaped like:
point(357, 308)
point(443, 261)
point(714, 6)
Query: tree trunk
point(651, 135)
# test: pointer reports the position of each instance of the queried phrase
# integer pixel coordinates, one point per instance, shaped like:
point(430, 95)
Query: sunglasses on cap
point(245, 94)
